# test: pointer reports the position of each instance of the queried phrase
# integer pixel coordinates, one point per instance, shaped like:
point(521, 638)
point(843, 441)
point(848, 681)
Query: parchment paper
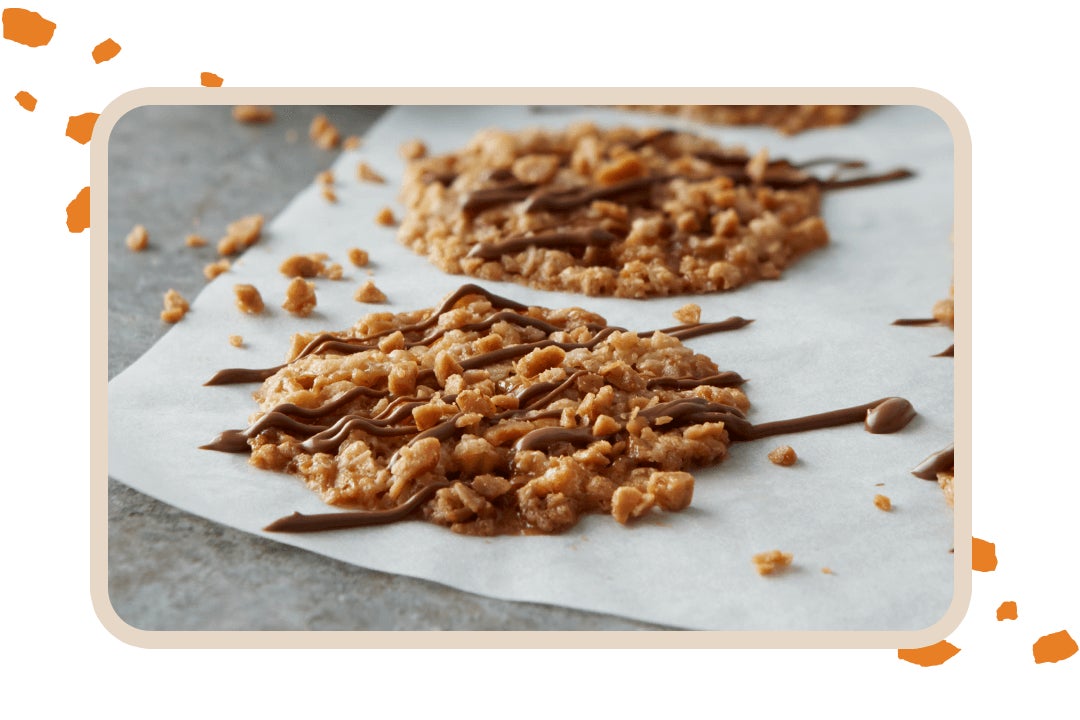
point(821, 340)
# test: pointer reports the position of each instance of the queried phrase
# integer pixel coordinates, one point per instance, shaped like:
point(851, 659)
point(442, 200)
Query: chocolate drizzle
point(571, 240)
point(300, 523)
point(940, 461)
point(916, 322)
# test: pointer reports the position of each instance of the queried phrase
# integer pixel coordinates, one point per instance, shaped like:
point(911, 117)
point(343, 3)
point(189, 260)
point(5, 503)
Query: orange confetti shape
point(28, 101)
point(107, 50)
point(1007, 610)
point(78, 211)
point(81, 127)
point(26, 27)
point(930, 655)
point(1054, 647)
point(211, 80)
point(983, 556)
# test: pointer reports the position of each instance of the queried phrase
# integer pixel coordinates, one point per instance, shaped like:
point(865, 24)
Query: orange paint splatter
point(78, 211)
point(1007, 610)
point(1054, 647)
point(107, 50)
point(983, 556)
point(26, 27)
point(81, 127)
point(210, 80)
point(934, 654)
point(28, 101)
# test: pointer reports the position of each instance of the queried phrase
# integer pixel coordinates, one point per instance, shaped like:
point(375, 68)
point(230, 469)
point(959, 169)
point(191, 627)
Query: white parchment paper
point(821, 340)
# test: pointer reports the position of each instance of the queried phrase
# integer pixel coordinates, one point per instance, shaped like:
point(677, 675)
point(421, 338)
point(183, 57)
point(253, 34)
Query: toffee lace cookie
point(788, 119)
point(624, 212)
point(491, 417)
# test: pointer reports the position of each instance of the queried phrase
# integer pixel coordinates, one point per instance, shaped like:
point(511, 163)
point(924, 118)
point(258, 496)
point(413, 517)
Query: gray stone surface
point(179, 170)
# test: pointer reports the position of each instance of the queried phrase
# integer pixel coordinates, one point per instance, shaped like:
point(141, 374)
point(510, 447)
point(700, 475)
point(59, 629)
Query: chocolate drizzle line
point(572, 240)
point(329, 343)
point(887, 415)
point(240, 375)
point(916, 322)
point(938, 462)
point(300, 523)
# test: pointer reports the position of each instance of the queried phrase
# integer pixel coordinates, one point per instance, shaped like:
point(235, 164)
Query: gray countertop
point(179, 170)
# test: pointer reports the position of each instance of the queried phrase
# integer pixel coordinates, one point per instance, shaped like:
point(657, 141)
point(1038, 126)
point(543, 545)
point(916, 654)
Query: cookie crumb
point(368, 293)
point(138, 238)
point(323, 133)
point(175, 307)
point(366, 173)
point(252, 114)
point(688, 314)
point(413, 150)
point(768, 563)
point(304, 266)
point(236, 340)
point(358, 257)
point(351, 142)
point(386, 217)
point(326, 177)
point(240, 234)
point(883, 503)
point(212, 270)
point(300, 297)
point(328, 194)
point(334, 271)
point(194, 241)
point(943, 312)
point(783, 455)
point(629, 502)
point(945, 482)
point(1006, 611)
point(827, 571)
point(248, 299)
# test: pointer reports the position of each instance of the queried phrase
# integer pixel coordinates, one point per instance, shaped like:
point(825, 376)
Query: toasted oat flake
point(300, 297)
point(138, 239)
point(368, 293)
point(768, 563)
